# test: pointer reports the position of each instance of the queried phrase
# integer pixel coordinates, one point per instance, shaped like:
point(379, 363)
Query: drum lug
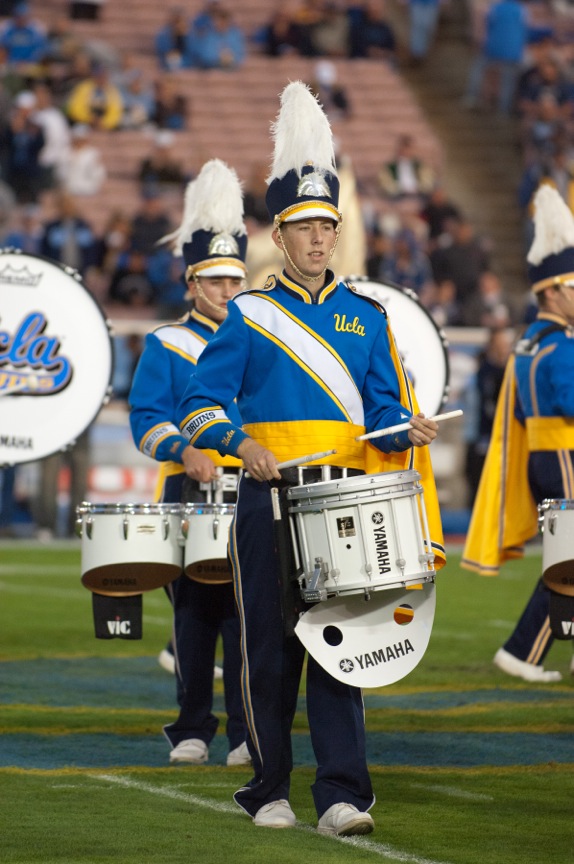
point(165, 525)
point(552, 524)
point(215, 527)
point(89, 527)
point(125, 524)
point(315, 592)
point(78, 525)
point(184, 531)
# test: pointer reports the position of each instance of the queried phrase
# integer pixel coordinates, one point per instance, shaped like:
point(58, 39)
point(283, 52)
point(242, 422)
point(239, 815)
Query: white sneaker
point(277, 814)
point(510, 664)
point(194, 751)
point(239, 756)
point(217, 672)
point(166, 660)
point(344, 820)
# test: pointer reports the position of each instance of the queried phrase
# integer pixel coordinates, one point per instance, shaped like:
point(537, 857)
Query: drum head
point(370, 643)
point(55, 357)
point(127, 578)
point(422, 346)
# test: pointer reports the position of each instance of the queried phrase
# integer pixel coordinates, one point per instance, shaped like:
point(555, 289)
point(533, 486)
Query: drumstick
point(301, 460)
point(402, 427)
point(30, 381)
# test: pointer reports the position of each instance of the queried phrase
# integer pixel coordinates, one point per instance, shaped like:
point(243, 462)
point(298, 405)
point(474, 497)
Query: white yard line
point(452, 792)
point(382, 850)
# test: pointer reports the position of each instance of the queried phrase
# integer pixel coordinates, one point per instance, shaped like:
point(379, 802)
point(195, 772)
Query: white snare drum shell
point(128, 549)
point(206, 536)
point(557, 520)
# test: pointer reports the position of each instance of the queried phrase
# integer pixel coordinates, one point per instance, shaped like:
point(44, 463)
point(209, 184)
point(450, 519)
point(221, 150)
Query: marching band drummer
point(213, 241)
point(312, 364)
point(531, 452)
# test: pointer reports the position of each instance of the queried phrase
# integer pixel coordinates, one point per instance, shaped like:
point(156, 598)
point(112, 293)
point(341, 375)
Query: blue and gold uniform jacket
point(531, 448)
point(310, 374)
point(164, 368)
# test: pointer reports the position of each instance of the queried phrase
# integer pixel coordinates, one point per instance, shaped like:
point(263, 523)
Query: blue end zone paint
point(421, 749)
point(139, 683)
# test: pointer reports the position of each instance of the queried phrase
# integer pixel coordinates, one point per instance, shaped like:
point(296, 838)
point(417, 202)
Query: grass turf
point(469, 766)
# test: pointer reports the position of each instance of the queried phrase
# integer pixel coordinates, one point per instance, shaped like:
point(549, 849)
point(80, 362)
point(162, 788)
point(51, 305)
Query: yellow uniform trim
point(217, 262)
point(550, 433)
point(293, 438)
point(308, 205)
point(182, 353)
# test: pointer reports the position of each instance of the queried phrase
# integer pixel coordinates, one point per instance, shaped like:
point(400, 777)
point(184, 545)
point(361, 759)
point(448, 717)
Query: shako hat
point(212, 236)
point(551, 255)
point(303, 183)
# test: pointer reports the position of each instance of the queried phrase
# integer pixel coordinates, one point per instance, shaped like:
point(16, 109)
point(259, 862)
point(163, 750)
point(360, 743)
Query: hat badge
point(223, 244)
point(313, 185)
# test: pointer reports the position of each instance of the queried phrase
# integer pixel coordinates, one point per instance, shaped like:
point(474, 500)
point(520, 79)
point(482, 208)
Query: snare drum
point(422, 346)
point(129, 548)
point(205, 528)
point(556, 521)
point(360, 534)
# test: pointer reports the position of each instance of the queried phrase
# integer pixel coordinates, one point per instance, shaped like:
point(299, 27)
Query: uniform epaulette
point(371, 300)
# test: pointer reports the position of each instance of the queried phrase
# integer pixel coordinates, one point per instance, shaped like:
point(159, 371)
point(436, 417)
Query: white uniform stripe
point(182, 339)
point(322, 362)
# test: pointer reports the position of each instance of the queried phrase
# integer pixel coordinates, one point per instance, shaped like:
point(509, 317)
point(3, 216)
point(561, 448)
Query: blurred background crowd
point(108, 109)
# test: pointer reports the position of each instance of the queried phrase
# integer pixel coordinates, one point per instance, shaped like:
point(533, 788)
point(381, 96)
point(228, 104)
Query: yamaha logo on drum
point(346, 665)
point(381, 543)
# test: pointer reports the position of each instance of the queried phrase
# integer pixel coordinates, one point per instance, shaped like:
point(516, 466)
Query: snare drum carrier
point(365, 568)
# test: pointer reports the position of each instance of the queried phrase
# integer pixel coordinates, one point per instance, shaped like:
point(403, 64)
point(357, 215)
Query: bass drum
point(422, 346)
point(55, 357)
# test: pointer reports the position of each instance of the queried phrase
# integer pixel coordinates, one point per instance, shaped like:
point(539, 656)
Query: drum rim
point(556, 504)
point(211, 508)
point(122, 508)
point(76, 276)
point(360, 483)
point(388, 283)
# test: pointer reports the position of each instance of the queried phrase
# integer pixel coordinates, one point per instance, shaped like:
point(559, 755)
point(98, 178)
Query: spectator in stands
point(170, 105)
point(172, 42)
point(254, 206)
point(460, 257)
point(282, 35)
point(545, 94)
point(24, 39)
point(138, 102)
point(63, 44)
point(219, 44)
point(330, 35)
point(115, 240)
point(150, 223)
point(130, 283)
point(160, 168)
point(480, 403)
point(332, 95)
point(424, 15)
point(406, 175)
point(489, 306)
point(371, 33)
point(436, 212)
point(442, 303)
point(73, 73)
point(306, 15)
point(69, 238)
point(56, 150)
point(503, 50)
point(556, 170)
point(84, 172)
point(96, 101)
point(11, 83)
point(26, 231)
point(22, 144)
point(405, 263)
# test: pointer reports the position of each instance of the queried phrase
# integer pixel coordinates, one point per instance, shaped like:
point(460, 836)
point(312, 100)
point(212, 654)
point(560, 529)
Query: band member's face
point(309, 244)
point(214, 294)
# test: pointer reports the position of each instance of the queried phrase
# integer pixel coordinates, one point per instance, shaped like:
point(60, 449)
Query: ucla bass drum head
point(55, 357)
point(422, 345)
point(370, 643)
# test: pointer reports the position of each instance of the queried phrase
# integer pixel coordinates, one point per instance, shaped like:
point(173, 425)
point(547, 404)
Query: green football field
point(469, 766)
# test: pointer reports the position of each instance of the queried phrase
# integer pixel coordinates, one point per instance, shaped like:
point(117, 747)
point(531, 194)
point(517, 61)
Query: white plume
point(301, 133)
point(553, 225)
point(212, 202)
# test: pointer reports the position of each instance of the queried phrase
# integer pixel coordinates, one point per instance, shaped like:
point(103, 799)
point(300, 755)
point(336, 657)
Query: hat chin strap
point(201, 293)
point(294, 266)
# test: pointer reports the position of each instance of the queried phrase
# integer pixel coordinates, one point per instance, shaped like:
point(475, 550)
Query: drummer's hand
point(258, 461)
point(198, 465)
point(424, 430)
